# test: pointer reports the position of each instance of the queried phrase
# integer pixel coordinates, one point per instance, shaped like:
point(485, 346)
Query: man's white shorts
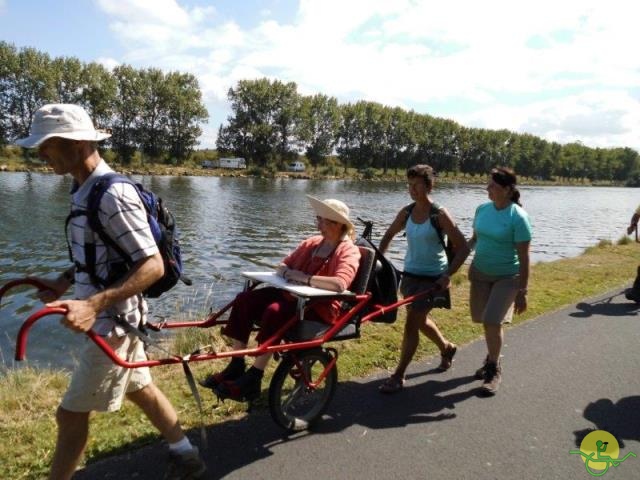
point(98, 384)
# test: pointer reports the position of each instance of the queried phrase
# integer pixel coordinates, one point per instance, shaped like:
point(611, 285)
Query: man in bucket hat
point(67, 140)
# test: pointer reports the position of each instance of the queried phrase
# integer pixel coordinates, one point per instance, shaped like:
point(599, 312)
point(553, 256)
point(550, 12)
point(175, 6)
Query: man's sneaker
point(185, 466)
point(492, 378)
point(480, 372)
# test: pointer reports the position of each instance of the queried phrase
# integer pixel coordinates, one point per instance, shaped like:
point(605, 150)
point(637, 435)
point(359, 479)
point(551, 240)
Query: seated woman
point(328, 261)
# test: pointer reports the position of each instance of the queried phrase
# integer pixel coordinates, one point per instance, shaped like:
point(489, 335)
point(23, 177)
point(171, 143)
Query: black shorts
point(413, 284)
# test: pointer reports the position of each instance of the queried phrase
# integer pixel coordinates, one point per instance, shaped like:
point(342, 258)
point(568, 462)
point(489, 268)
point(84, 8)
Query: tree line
point(146, 110)
point(159, 114)
point(271, 121)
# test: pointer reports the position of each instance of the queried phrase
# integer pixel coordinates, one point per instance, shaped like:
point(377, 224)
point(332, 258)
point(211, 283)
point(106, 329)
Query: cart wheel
point(293, 404)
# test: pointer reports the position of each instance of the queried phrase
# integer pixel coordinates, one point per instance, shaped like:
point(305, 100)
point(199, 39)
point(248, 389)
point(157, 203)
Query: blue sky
point(563, 70)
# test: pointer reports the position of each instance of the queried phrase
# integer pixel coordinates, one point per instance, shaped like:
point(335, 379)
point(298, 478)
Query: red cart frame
point(305, 380)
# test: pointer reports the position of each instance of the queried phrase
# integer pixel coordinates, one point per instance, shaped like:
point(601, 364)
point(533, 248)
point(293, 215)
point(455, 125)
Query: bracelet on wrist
point(309, 280)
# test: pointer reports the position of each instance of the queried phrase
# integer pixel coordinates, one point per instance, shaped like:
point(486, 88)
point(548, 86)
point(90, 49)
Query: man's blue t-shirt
point(497, 232)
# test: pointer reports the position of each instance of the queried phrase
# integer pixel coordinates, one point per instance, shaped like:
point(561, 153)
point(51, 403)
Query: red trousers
point(268, 307)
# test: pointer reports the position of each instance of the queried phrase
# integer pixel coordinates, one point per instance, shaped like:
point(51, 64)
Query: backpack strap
point(94, 199)
point(73, 214)
point(407, 210)
point(433, 217)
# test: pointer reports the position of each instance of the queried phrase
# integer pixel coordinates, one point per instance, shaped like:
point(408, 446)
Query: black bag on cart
point(383, 284)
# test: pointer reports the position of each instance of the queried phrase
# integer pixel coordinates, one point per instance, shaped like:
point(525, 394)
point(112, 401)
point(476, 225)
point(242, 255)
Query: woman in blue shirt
point(499, 273)
point(425, 265)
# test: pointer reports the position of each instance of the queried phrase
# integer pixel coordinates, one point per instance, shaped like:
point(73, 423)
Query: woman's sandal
point(393, 384)
point(446, 358)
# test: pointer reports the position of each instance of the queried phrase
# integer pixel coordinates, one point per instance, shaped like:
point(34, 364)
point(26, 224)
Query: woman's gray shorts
point(413, 284)
point(491, 297)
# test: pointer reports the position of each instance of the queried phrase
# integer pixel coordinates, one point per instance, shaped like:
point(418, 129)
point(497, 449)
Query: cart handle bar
point(22, 281)
point(23, 333)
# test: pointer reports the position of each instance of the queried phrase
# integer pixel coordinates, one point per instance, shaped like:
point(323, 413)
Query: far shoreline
point(352, 174)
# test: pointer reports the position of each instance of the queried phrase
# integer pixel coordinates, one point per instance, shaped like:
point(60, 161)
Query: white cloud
point(554, 67)
point(155, 27)
point(595, 118)
point(108, 63)
point(164, 12)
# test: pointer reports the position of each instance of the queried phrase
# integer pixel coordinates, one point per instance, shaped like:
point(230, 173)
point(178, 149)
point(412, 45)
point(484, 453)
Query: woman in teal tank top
point(499, 273)
point(425, 265)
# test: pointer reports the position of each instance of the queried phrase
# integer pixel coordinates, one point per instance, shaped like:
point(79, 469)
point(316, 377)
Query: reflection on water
point(234, 224)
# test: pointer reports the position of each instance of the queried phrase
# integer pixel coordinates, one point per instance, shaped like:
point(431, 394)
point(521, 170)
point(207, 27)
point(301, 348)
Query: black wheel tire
point(294, 406)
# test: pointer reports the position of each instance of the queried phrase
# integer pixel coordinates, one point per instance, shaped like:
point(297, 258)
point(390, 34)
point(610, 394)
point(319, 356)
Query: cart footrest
point(309, 329)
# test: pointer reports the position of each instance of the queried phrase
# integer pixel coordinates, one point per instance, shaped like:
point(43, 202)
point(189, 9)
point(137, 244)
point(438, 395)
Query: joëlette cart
point(305, 379)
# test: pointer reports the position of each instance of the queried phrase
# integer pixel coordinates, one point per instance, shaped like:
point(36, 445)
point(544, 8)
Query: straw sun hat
point(61, 120)
point(332, 209)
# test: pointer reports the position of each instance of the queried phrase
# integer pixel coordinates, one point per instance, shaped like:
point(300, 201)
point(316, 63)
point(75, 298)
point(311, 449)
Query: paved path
point(565, 373)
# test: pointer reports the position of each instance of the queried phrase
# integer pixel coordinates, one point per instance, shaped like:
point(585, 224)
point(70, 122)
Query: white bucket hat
point(61, 120)
point(332, 209)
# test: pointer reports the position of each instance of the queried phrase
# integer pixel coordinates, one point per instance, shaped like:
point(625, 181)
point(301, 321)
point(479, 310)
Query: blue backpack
point(163, 228)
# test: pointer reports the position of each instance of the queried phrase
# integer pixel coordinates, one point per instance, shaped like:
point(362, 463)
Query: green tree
point(286, 114)
point(628, 162)
point(377, 131)
point(32, 87)
point(126, 109)
point(450, 144)
point(152, 123)
point(185, 113)
point(263, 119)
point(353, 146)
point(318, 126)
point(67, 79)
point(399, 136)
point(99, 93)
point(8, 67)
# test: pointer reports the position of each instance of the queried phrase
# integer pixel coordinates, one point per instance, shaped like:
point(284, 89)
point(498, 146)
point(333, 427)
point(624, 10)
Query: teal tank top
point(425, 254)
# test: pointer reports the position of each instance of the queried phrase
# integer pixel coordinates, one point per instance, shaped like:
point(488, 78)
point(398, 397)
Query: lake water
point(233, 224)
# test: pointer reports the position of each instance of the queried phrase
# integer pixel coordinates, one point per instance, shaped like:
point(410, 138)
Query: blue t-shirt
point(497, 232)
point(425, 254)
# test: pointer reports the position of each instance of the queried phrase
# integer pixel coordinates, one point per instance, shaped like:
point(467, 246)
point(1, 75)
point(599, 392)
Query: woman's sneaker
point(233, 371)
point(446, 358)
point(246, 388)
point(185, 466)
point(492, 378)
point(632, 294)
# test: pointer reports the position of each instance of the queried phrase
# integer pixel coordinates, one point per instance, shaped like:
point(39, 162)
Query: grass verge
point(28, 397)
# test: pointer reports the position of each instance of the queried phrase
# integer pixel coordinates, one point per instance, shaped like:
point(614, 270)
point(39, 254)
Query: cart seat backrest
point(367, 261)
